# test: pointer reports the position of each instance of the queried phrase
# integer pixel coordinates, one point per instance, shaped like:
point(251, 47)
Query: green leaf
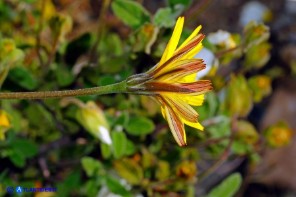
point(112, 65)
point(64, 76)
point(130, 12)
point(121, 120)
point(240, 148)
point(17, 159)
point(163, 170)
point(130, 148)
point(129, 170)
point(106, 80)
point(210, 106)
point(228, 187)
point(105, 150)
point(115, 187)
point(119, 144)
point(140, 126)
point(25, 147)
point(70, 185)
point(165, 17)
point(90, 188)
point(39, 116)
point(111, 44)
point(185, 3)
point(91, 166)
point(23, 78)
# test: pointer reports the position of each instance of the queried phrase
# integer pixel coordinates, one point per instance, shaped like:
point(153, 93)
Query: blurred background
point(119, 144)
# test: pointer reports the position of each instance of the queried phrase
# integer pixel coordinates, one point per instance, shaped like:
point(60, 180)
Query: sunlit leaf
point(130, 12)
point(129, 170)
point(91, 166)
point(119, 144)
point(228, 187)
point(139, 126)
point(115, 187)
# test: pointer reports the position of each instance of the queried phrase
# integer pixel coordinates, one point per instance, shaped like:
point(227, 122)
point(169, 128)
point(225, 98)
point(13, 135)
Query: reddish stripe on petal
point(182, 108)
point(200, 86)
point(166, 87)
point(183, 68)
point(176, 126)
point(180, 53)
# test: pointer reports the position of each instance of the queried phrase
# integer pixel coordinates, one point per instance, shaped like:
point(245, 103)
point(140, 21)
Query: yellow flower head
point(173, 82)
point(278, 135)
point(4, 124)
point(4, 121)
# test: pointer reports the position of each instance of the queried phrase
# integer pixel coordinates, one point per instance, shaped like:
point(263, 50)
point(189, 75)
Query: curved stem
point(108, 89)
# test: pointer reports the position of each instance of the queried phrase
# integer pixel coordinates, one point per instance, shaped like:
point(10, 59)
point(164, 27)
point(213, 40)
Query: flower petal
point(196, 125)
point(193, 34)
point(180, 69)
point(176, 126)
point(181, 108)
point(193, 52)
point(197, 87)
point(193, 100)
point(180, 54)
point(173, 43)
point(160, 87)
point(188, 78)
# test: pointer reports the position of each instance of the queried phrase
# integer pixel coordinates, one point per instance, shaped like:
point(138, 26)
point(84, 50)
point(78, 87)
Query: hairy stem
point(108, 89)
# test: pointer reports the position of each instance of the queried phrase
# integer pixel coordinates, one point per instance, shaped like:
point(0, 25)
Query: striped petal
point(173, 43)
point(176, 126)
point(178, 55)
point(193, 52)
point(197, 87)
point(180, 69)
point(193, 34)
point(181, 108)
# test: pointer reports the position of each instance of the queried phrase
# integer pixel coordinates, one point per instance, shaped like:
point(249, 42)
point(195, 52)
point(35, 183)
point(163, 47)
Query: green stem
point(108, 89)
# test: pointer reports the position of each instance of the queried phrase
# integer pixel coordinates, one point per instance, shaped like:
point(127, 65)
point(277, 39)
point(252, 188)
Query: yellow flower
point(4, 124)
point(173, 82)
point(278, 135)
point(187, 170)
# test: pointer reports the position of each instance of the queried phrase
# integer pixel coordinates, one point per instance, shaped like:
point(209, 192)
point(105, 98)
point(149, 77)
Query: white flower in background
point(291, 6)
point(209, 59)
point(222, 38)
point(254, 11)
point(105, 192)
point(104, 135)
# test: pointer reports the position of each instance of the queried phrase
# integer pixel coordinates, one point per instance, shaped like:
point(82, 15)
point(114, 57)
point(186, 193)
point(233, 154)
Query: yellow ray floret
point(173, 43)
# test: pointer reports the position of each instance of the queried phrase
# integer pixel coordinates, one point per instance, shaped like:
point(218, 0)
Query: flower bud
point(187, 170)
point(278, 135)
point(92, 118)
point(246, 132)
point(260, 86)
point(238, 97)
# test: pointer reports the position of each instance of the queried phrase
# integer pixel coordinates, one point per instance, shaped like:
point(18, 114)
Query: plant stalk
point(108, 89)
